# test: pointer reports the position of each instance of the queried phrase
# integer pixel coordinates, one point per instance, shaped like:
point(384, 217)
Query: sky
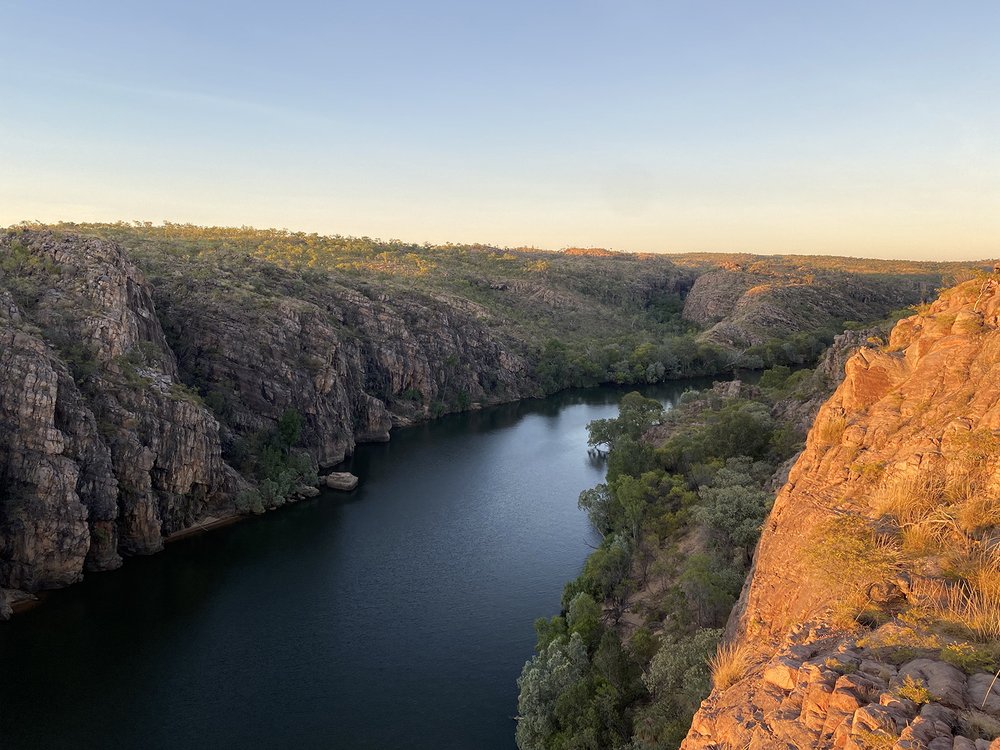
point(852, 128)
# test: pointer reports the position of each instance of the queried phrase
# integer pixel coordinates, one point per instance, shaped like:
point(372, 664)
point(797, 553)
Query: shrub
point(915, 690)
point(775, 378)
point(250, 501)
point(968, 658)
point(181, 392)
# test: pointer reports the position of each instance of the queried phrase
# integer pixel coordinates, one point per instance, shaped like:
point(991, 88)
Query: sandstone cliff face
point(108, 447)
point(716, 294)
point(909, 415)
point(352, 365)
point(44, 538)
point(102, 453)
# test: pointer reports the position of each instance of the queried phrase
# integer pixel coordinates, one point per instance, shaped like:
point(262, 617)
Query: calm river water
point(398, 616)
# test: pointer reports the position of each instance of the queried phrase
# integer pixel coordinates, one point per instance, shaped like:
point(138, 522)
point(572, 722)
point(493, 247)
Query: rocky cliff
point(872, 614)
point(108, 444)
point(104, 450)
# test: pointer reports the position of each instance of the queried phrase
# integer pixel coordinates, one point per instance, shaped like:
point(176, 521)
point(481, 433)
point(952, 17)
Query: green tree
point(678, 679)
point(599, 506)
point(636, 414)
point(543, 682)
point(289, 428)
point(734, 507)
point(583, 616)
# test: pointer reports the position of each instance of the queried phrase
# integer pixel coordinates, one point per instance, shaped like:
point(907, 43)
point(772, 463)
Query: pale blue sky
point(864, 128)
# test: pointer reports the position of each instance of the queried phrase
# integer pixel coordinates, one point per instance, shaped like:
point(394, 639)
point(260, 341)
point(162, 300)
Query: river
point(398, 616)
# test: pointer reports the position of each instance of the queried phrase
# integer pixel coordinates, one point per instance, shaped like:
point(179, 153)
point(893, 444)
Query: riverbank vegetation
point(632, 654)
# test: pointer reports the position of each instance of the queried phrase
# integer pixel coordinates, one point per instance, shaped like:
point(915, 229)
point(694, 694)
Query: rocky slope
point(879, 563)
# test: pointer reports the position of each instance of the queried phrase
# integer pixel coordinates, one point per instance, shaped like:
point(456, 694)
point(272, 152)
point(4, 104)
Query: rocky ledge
point(822, 690)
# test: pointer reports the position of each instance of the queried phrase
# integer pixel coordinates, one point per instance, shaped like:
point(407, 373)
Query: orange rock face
point(916, 408)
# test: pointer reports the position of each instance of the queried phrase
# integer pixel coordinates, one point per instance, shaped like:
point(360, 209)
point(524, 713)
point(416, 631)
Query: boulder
point(944, 681)
point(782, 672)
point(341, 480)
point(983, 693)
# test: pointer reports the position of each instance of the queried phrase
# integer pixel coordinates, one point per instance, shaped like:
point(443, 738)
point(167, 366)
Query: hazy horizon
point(636, 126)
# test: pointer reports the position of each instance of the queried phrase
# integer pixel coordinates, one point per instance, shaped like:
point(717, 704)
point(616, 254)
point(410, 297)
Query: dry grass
point(730, 664)
point(979, 512)
point(832, 430)
point(979, 725)
point(920, 539)
point(851, 556)
point(962, 605)
point(984, 574)
point(910, 498)
point(877, 740)
point(942, 526)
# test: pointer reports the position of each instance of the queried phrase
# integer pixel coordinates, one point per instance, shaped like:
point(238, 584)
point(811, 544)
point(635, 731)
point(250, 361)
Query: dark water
point(396, 617)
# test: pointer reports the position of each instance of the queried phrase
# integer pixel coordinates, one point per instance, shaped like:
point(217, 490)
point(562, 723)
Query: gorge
point(157, 379)
point(410, 599)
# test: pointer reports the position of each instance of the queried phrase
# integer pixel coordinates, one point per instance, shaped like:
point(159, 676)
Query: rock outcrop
point(911, 430)
point(822, 690)
point(743, 309)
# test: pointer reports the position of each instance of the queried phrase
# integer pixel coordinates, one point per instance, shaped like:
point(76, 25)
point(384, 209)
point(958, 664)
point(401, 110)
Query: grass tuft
point(730, 664)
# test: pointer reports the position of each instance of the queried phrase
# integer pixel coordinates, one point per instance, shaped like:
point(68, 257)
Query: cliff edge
point(872, 615)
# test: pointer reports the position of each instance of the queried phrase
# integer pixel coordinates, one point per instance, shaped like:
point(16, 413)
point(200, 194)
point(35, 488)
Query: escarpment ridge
point(872, 615)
